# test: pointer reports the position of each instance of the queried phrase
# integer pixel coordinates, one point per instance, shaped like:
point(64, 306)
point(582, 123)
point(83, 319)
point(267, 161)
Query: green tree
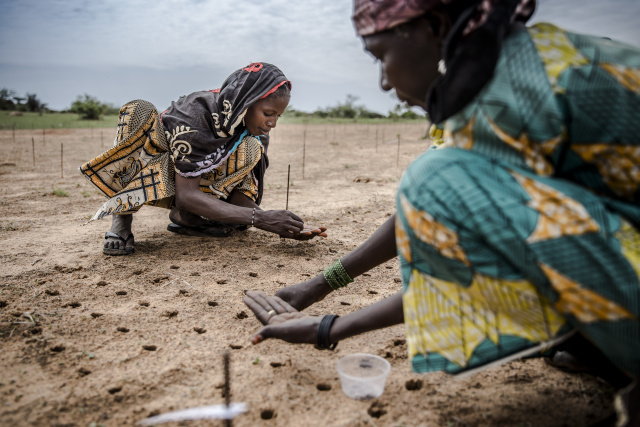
point(33, 103)
point(6, 99)
point(88, 107)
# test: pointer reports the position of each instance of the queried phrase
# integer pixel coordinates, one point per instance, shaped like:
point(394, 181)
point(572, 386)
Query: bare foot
point(185, 218)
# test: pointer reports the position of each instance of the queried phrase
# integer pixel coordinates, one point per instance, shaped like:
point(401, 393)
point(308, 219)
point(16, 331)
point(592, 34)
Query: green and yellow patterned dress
point(521, 226)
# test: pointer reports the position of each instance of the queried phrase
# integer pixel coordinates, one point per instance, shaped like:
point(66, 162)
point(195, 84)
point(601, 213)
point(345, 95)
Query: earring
point(442, 67)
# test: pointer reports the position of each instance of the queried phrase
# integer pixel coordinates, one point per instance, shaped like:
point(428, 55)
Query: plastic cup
point(363, 376)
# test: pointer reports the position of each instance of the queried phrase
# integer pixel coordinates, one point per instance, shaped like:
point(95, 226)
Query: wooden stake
point(227, 384)
point(33, 150)
point(13, 128)
point(43, 136)
point(61, 160)
point(398, 155)
point(101, 139)
point(304, 150)
point(288, 180)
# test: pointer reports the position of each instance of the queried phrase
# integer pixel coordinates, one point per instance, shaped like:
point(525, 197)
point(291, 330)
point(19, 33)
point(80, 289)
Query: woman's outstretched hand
point(281, 319)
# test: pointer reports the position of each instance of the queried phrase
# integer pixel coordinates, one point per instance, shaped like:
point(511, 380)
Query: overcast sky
point(158, 50)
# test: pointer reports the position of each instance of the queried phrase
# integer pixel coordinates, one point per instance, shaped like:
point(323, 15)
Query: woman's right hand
point(286, 224)
point(304, 294)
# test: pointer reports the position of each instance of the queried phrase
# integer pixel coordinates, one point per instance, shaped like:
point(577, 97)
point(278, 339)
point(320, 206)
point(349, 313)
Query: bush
point(88, 107)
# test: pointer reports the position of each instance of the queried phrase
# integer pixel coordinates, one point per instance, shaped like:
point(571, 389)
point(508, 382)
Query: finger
point(257, 309)
point(261, 298)
point(287, 307)
point(296, 217)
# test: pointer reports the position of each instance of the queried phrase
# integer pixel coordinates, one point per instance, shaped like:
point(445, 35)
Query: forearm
point(212, 208)
point(379, 248)
point(382, 314)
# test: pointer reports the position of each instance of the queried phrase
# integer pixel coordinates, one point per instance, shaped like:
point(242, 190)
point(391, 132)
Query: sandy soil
point(89, 340)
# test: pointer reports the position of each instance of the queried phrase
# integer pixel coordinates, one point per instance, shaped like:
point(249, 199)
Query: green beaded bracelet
point(336, 276)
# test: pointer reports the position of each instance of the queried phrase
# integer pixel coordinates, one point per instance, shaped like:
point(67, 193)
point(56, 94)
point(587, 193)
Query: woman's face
point(408, 60)
point(263, 115)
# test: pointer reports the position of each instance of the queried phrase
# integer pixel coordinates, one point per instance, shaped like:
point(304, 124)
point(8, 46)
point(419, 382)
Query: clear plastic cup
point(363, 375)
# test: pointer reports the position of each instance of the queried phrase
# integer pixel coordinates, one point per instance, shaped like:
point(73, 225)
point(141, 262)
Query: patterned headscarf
point(203, 128)
point(471, 48)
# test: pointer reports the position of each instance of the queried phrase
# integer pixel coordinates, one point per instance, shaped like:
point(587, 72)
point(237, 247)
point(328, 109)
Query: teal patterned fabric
point(522, 225)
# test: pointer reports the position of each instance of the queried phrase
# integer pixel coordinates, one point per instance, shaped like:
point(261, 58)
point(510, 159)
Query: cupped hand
point(283, 223)
point(281, 319)
point(308, 232)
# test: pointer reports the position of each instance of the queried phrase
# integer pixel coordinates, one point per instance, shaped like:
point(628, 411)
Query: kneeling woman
point(216, 141)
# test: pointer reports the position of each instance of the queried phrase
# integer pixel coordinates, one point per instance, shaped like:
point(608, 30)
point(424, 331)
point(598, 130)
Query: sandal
point(120, 251)
point(221, 230)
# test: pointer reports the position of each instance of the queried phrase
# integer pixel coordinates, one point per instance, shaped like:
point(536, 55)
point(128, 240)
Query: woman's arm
point(379, 248)
point(239, 211)
point(287, 324)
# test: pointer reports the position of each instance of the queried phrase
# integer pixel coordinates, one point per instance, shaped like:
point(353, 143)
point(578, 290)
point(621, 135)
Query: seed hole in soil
point(280, 265)
point(397, 280)
point(184, 292)
point(212, 303)
point(122, 329)
point(52, 292)
point(101, 283)
point(413, 385)
point(150, 347)
point(114, 390)
point(200, 330)
point(96, 315)
point(376, 410)
point(253, 274)
point(242, 315)
point(344, 303)
point(36, 330)
point(74, 304)
point(399, 342)
point(170, 314)
point(3, 304)
point(323, 387)
point(160, 279)
point(144, 303)
point(235, 346)
point(267, 414)
point(121, 293)
point(58, 348)
point(83, 372)
point(221, 281)
point(276, 364)
point(388, 267)
point(194, 273)
point(373, 292)
point(174, 267)
point(366, 274)
point(138, 272)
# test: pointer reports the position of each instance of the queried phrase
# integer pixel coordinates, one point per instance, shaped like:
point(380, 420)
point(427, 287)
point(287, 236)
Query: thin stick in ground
point(288, 181)
point(227, 385)
point(304, 150)
point(33, 150)
point(62, 160)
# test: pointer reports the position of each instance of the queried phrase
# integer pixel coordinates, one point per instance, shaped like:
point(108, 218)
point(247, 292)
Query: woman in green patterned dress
point(519, 229)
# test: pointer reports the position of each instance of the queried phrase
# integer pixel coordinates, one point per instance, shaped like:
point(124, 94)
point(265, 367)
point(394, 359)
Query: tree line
point(87, 106)
point(90, 108)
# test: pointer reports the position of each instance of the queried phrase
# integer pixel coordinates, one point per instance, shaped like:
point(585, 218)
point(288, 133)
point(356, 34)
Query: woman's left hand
point(281, 319)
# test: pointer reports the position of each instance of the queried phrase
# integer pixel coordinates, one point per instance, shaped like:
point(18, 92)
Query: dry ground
point(90, 340)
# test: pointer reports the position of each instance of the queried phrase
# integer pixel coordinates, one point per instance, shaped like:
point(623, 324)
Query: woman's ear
point(439, 23)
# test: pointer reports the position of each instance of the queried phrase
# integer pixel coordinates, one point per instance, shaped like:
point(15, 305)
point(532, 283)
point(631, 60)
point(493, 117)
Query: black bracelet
point(323, 342)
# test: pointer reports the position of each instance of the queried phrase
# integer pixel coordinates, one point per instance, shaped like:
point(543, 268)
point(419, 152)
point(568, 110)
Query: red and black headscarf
point(471, 49)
